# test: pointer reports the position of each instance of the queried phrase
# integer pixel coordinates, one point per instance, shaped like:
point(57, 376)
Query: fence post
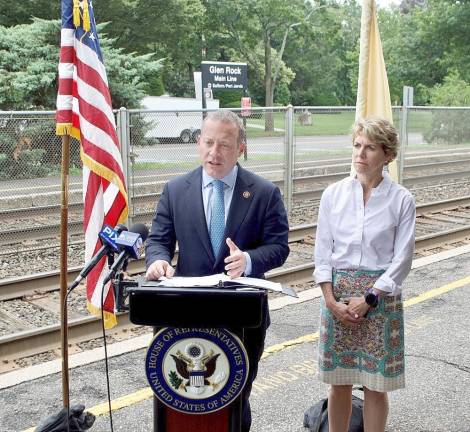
point(289, 158)
point(123, 132)
point(407, 101)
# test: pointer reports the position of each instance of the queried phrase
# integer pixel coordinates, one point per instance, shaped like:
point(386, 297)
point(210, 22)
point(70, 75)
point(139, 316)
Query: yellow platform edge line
point(146, 393)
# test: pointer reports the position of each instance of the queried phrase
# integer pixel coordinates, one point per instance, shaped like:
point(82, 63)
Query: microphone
point(108, 237)
point(131, 243)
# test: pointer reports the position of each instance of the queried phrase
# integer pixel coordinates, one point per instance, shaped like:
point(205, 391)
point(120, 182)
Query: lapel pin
point(246, 194)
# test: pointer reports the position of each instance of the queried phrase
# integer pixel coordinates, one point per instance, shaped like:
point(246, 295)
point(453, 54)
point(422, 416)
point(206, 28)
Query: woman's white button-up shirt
point(377, 236)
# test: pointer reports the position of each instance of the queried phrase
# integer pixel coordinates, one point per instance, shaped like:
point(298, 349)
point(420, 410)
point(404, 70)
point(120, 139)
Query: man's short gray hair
point(227, 116)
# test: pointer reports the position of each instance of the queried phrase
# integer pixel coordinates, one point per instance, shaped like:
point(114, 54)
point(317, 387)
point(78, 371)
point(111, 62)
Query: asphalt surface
point(436, 397)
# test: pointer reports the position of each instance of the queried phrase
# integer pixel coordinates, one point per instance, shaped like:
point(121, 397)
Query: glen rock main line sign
point(224, 76)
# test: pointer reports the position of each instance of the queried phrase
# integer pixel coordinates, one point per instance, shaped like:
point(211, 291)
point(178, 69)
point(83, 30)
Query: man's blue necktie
point(217, 225)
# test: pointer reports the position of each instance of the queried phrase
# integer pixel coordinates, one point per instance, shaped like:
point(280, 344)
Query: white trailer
point(175, 117)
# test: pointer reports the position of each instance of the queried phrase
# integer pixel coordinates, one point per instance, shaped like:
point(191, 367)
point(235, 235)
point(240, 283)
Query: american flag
point(84, 111)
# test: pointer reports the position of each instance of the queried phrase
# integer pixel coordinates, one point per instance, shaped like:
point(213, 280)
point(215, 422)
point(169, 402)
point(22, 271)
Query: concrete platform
point(436, 398)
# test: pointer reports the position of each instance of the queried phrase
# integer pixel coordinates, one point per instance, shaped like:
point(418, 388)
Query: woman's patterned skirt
point(371, 353)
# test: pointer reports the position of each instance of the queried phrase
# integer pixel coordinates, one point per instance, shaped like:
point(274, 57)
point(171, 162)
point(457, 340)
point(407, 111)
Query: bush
point(450, 126)
point(29, 148)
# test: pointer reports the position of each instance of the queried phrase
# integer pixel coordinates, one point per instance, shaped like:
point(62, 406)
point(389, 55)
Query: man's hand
point(158, 269)
point(236, 261)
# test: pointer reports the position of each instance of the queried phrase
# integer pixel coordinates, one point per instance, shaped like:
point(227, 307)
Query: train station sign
point(224, 76)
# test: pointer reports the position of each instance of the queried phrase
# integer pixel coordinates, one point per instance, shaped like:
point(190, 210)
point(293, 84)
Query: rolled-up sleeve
point(403, 250)
point(323, 242)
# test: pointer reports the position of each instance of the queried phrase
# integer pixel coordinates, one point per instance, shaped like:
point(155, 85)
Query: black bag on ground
point(79, 421)
point(316, 417)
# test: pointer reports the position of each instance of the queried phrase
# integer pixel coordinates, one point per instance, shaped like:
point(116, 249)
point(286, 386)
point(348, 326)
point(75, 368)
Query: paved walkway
point(437, 352)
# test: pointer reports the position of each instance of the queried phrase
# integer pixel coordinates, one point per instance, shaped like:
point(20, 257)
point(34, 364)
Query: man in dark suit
point(224, 218)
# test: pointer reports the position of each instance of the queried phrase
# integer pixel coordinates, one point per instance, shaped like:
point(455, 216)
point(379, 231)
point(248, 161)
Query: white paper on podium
point(213, 280)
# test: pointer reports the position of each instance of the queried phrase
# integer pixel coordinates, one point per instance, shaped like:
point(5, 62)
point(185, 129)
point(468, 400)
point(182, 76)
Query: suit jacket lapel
point(195, 210)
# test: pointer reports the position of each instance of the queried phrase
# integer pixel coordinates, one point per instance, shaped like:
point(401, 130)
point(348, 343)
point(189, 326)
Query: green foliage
point(253, 32)
point(314, 45)
point(155, 86)
point(167, 28)
point(29, 58)
point(21, 12)
point(228, 98)
point(410, 47)
point(28, 65)
point(30, 148)
point(175, 380)
point(454, 91)
point(282, 94)
point(450, 126)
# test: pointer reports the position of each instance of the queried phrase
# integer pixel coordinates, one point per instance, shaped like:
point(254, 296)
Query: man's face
point(218, 148)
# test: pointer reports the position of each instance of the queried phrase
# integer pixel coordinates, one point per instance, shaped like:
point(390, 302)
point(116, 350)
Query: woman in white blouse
point(363, 252)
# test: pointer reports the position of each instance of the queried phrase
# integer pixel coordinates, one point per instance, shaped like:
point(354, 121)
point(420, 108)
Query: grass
point(335, 123)
point(139, 166)
point(322, 124)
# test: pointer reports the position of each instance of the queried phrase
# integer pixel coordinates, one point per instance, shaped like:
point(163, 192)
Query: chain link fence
point(301, 149)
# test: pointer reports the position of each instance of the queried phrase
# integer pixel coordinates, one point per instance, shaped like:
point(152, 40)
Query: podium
point(181, 366)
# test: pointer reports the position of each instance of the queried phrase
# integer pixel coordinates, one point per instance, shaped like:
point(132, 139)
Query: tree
point(410, 48)
point(447, 25)
point(170, 29)
point(28, 75)
point(253, 28)
point(318, 54)
point(22, 12)
point(29, 65)
point(450, 126)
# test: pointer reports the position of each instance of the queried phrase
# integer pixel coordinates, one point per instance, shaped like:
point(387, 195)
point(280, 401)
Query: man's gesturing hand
point(158, 269)
point(236, 261)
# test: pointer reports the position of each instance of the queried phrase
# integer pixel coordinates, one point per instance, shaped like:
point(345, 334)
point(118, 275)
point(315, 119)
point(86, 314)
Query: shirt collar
point(384, 186)
point(229, 179)
point(381, 189)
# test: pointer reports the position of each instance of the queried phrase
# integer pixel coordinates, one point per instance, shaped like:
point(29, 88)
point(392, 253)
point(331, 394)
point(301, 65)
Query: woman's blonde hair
point(379, 131)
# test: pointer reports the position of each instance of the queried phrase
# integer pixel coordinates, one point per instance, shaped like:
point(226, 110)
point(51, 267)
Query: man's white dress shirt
point(377, 236)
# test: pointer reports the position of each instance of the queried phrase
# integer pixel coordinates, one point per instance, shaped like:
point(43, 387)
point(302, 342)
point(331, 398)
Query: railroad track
point(19, 287)
point(34, 290)
point(426, 214)
point(44, 229)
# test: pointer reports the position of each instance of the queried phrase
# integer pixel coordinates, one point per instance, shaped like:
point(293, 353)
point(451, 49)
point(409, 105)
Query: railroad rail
point(44, 282)
point(49, 281)
point(44, 230)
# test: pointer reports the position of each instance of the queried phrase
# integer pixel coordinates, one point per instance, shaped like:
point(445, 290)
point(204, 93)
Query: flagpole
point(63, 266)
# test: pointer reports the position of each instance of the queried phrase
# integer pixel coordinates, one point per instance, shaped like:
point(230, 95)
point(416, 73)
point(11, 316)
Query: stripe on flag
point(84, 111)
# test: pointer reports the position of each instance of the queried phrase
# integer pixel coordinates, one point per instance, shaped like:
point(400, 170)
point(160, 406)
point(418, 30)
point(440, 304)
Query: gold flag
point(373, 94)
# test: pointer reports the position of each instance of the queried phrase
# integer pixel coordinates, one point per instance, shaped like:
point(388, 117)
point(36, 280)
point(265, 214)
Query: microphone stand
point(110, 256)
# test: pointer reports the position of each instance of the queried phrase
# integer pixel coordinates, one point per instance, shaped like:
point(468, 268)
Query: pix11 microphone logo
point(196, 370)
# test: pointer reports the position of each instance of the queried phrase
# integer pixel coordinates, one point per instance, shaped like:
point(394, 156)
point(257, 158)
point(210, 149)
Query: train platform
point(437, 348)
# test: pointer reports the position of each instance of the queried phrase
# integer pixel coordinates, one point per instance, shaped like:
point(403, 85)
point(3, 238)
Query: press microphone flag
point(108, 237)
point(131, 243)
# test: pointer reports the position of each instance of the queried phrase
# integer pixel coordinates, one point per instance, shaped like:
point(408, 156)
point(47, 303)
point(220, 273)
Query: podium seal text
point(196, 370)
